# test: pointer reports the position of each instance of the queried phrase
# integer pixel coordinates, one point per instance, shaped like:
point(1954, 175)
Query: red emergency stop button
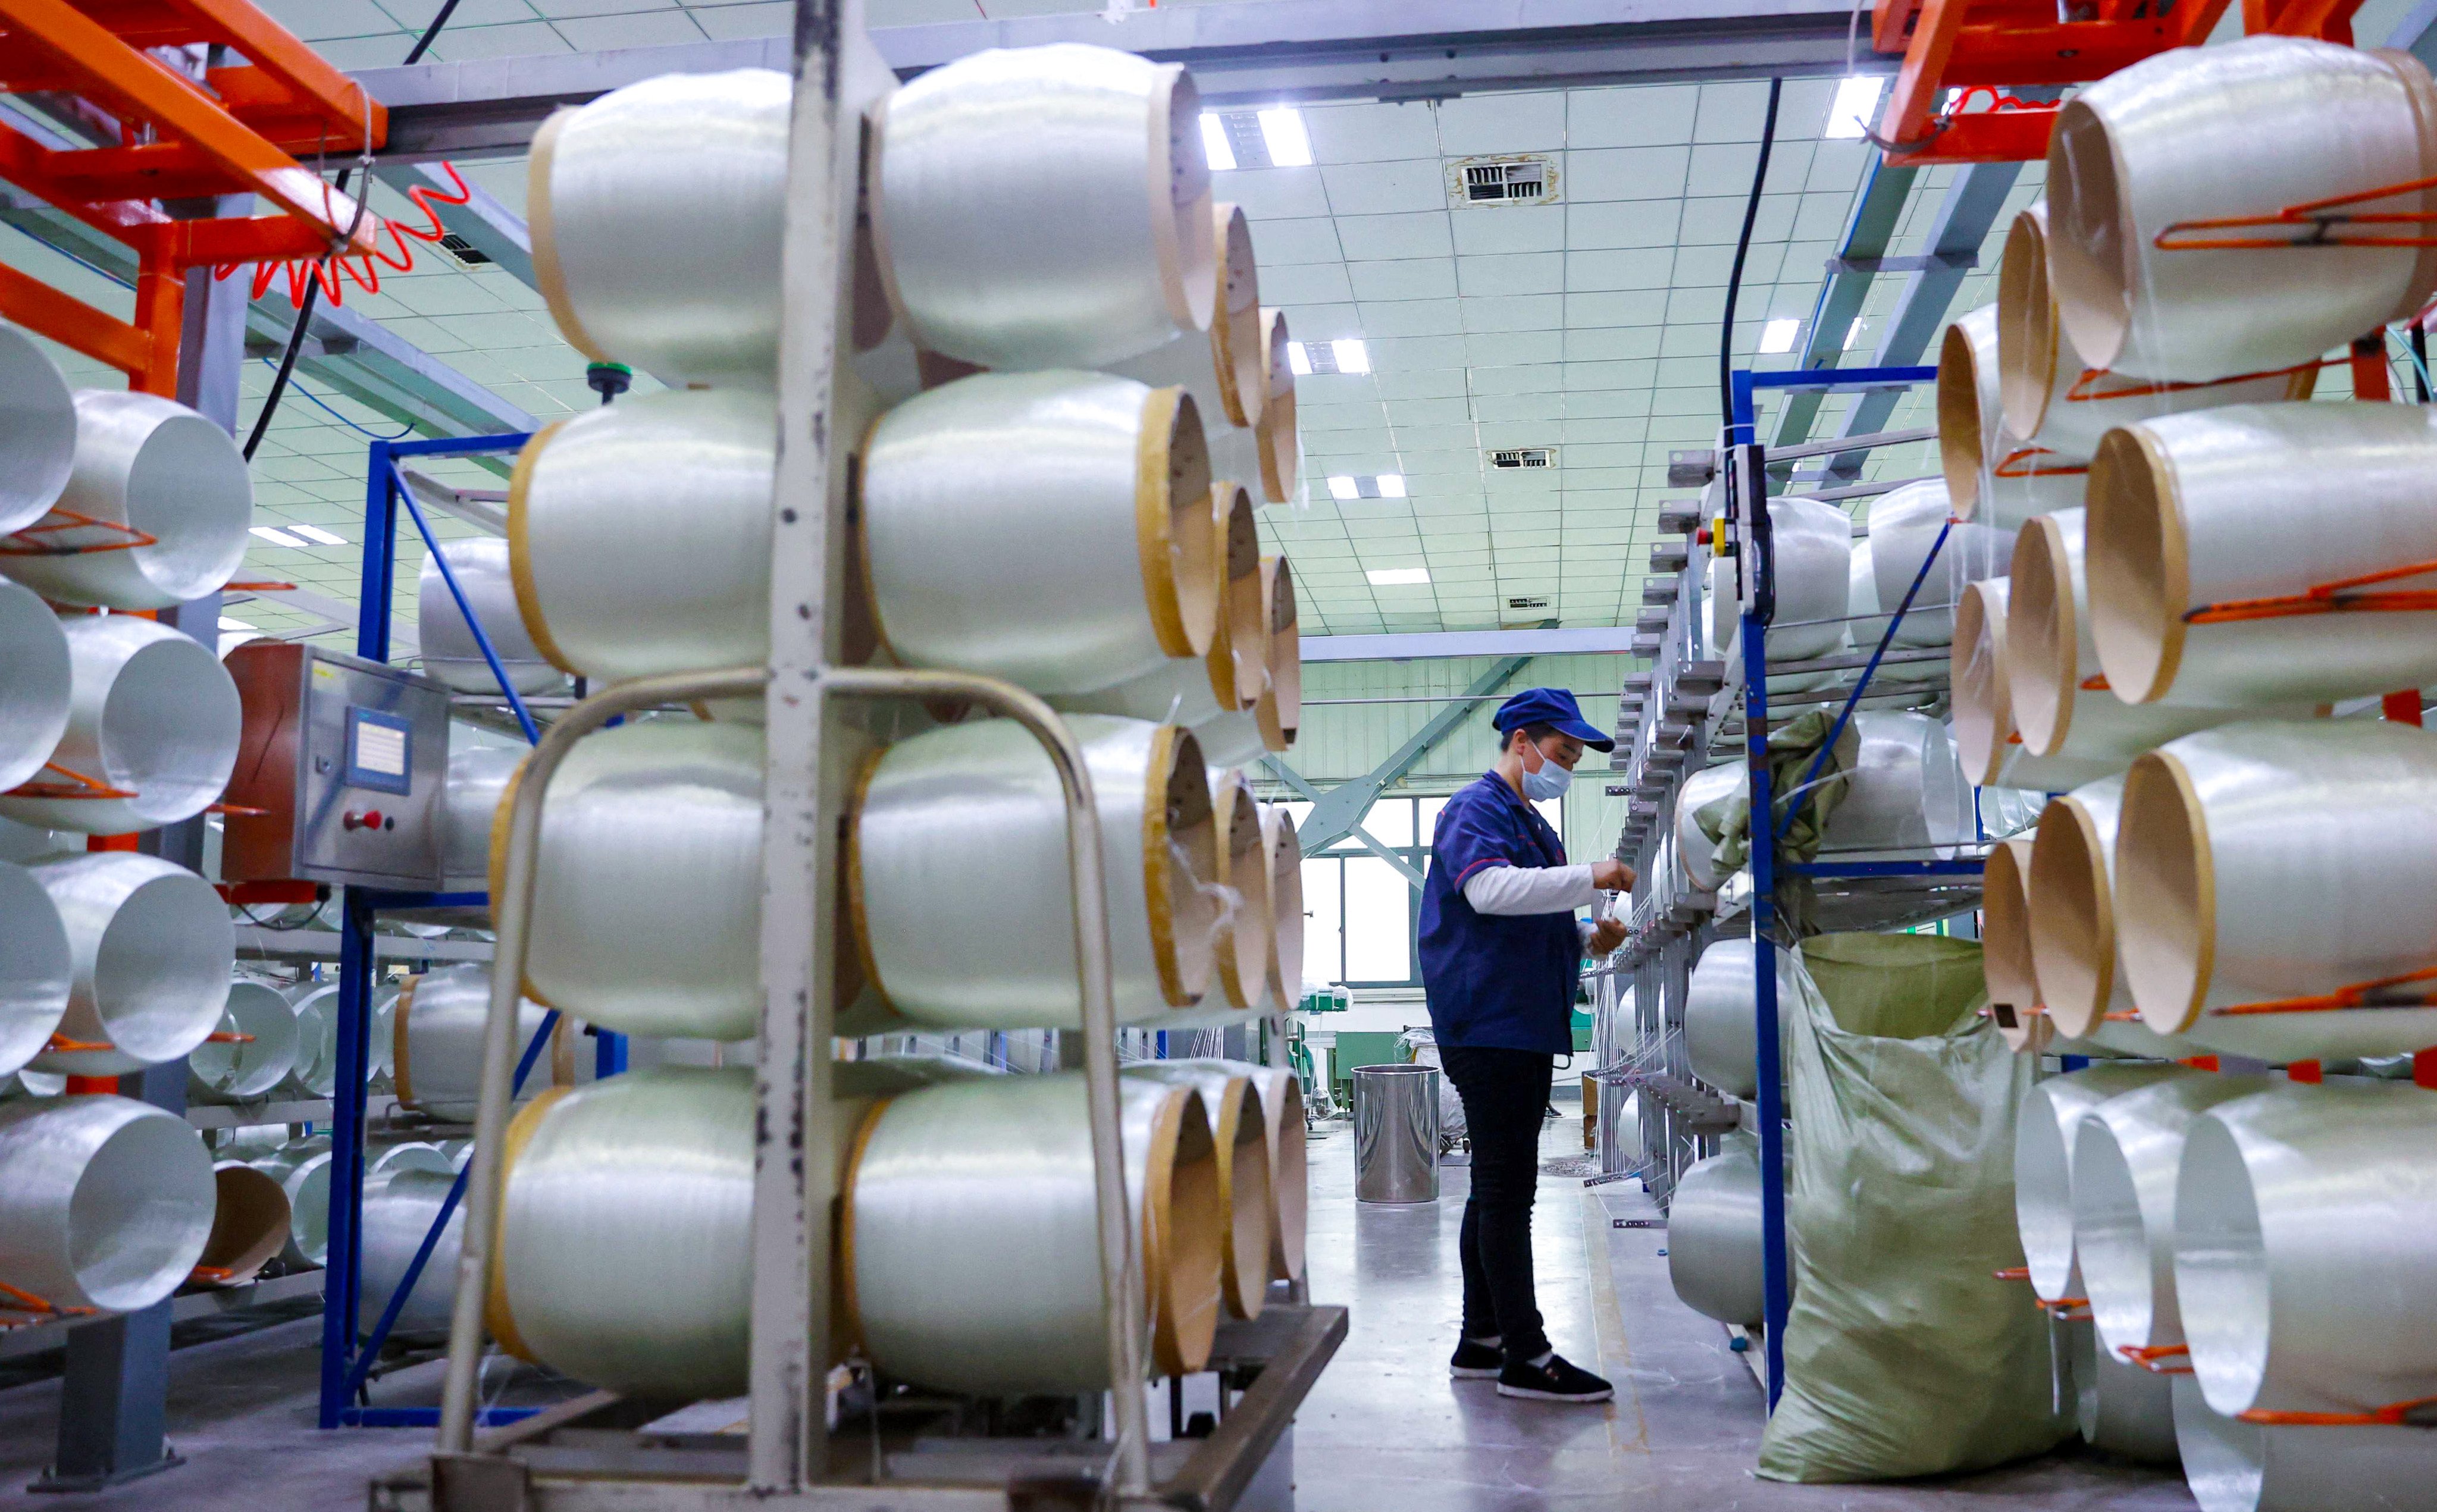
point(369, 818)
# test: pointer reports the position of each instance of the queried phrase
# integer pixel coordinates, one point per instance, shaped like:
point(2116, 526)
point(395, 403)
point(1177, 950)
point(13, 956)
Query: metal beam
point(1253, 52)
point(1338, 812)
point(2416, 33)
point(1434, 644)
point(1299, 783)
point(1866, 238)
point(482, 223)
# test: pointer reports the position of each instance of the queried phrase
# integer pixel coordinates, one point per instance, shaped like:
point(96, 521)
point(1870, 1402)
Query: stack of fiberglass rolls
point(2212, 642)
point(1061, 415)
point(112, 505)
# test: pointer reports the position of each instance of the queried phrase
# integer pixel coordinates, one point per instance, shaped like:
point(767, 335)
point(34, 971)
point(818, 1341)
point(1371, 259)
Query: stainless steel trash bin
point(1397, 1133)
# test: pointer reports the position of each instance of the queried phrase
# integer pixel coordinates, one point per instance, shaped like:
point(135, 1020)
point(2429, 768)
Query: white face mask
point(1549, 782)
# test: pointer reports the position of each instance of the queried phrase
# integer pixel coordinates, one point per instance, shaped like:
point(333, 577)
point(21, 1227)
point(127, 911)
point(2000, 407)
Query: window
point(1379, 906)
point(1323, 930)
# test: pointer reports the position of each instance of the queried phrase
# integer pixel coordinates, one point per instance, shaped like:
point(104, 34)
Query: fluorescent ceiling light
point(1215, 144)
point(1392, 485)
point(1352, 355)
point(226, 623)
point(1289, 145)
point(315, 533)
point(1857, 100)
point(277, 537)
point(1397, 577)
point(1853, 335)
point(1778, 336)
point(1299, 358)
point(1344, 488)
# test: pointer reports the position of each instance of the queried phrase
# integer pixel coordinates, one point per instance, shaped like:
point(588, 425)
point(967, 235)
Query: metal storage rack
point(1687, 706)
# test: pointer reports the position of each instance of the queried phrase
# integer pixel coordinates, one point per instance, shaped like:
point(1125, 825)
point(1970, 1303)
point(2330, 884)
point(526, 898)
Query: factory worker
point(1501, 952)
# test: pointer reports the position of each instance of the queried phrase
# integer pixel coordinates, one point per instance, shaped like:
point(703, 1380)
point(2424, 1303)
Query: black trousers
point(1504, 1094)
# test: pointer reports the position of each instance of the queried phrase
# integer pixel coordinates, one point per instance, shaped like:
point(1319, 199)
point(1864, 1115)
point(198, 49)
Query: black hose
point(1742, 250)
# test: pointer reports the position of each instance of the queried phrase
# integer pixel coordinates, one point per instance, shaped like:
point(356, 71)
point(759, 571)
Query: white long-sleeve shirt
point(1512, 890)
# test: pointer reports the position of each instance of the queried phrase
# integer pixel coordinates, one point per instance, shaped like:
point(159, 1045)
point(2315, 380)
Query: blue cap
point(1554, 708)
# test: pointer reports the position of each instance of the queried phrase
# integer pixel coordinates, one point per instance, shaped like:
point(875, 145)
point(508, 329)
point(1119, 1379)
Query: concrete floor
point(1385, 1429)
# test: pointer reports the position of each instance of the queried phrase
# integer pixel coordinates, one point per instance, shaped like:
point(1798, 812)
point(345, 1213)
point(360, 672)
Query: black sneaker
point(1555, 1380)
point(1476, 1361)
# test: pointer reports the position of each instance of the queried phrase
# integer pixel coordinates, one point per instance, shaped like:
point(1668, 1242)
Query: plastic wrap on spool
point(37, 968)
point(1713, 1238)
point(302, 1168)
point(233, 1070)
point(484, 571)
point(921, 1225)
point(1241, 944)
point(2053, 400)
point(2260, 501)
point(968, 822)
point(2126, 1153)
point(2260, 863)
point(154, 467)
point(2023, 486)
point(1969, 425)
point(639, 534)
point(2231, 1466)
point(108, 1203)
point(249, 1224)
point(1283, 852)
point(2147, 148)
point(2043, 1143)
point(1813, 547)
point(479, 779)
point(1905, 789)
point(1694, 851)
point(656, 213)
point(1865, 624)
point(1904, 525)
point(656, 1310)
point(1278, 431)
point(35, 676)
point(150, 953)
point(1053, 529)
point(1721, 1007)
point(401, 1207)
point(1043, 208)
point(152, 717)
point(2120, 1408)
point(1226, 368)
point(1239, 1136)
point(439, 1042)
point(38, 430)
point(647, 904)
point(2302, 1223)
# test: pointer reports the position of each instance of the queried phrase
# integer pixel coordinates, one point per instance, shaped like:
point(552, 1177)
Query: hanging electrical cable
point(1742, 250)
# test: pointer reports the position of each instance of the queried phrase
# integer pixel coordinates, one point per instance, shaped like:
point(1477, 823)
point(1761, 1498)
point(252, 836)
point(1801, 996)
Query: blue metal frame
point(1774, 1265)
point(345, 1362)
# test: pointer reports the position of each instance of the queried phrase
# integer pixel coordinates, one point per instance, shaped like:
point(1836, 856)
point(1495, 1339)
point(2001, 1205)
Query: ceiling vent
point(1513, 456)
point(1527, 603)
point(1522, 178)
point(467, 253)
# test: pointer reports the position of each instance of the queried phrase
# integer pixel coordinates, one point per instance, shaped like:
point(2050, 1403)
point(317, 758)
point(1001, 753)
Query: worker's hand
point(1606, 934)
point(1612, 875)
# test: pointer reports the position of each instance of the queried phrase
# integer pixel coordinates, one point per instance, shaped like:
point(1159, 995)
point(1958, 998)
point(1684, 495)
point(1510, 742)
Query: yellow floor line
point(1615, 1350)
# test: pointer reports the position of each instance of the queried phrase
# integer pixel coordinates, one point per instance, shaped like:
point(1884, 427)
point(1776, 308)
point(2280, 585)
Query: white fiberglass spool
point(108, 1201)
point(483, 571)
point(249, 1224)
point(2148, 148)
point(154, 467)
point(2005, 949)
point(639, 534)
point(401, 1207)
point(1241, 946)
point(1988, 737)
point(153, 713)
point(2231, 1466)
point(2053, 399)
point(1905, 789)
point(1282, 853)
point(38, 430)
point(1279, 710)
point(1813, 551)
point(1233, 675)
point(1970, 433)
point(302, 1168)
point(1865, 624)
point(1043, 207)
point(958, 1187)
point(967, 822)
point(37, 969)
point(2260, 501)
point(2074, 944)
point(411, 1155)
point(316, 1071)
point(2126, 1153)
point(1278, 431)
point(2120, 1408)
point(647, 902)
point(1239, 1136)
point(1054, 529)
point(2065, 707)
point(1694, 851)
point(2261, 863)
point(1280, 1092)
point(656, 212)
point(1904, 525)
point(1721, 1002)
point(1713, 1238)
point(479, 779)
point(439, 1042)
point(234, 1070)
point(151, 950)
point(1227, 368)
point(2303, 1218)
point(2044, 1146)
point(36, 678)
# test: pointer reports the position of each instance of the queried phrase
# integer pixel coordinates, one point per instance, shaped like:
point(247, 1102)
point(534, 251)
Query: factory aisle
point(1386, 1429)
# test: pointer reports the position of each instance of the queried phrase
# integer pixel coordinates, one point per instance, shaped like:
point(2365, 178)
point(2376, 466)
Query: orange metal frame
point(237, 130)
point(1983, 47)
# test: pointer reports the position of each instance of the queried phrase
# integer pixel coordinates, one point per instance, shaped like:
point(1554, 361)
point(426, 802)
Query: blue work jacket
point(1499, 982)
